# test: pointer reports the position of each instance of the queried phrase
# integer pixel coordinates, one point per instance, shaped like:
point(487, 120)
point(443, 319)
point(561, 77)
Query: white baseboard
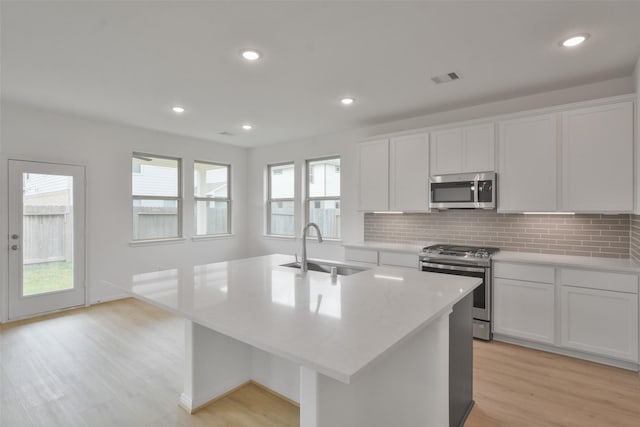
point(110, 298)
point(221, 390)
point(631, 366)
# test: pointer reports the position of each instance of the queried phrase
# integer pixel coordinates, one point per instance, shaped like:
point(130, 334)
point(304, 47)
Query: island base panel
point(407, 387)
point(214, 365)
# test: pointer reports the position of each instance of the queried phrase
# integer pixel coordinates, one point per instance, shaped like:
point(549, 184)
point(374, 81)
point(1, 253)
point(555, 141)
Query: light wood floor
point(120, 364)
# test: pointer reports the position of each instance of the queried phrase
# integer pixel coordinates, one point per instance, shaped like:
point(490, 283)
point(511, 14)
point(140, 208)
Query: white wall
point(105, 149)
point(344, 144)
point(636, 79)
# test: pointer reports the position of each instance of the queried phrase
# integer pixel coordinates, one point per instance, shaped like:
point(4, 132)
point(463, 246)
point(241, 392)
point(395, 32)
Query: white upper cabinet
point(373, 173)
point(446, 152)
point(528, 152)
point(597, 158)
point(467, 149)
point(409, 173)
point(394, 174)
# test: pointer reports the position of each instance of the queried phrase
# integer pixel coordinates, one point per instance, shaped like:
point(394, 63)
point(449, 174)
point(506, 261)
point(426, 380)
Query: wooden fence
point(47, 234)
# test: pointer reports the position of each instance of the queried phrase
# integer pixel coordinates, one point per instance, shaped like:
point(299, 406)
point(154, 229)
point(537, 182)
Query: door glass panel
point(47, 233)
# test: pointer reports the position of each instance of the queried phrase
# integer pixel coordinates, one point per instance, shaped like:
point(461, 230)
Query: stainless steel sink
point(325, 267)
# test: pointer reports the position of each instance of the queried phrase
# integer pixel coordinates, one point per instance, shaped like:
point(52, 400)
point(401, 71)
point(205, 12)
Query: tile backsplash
point(634, 246)
point(611, 236)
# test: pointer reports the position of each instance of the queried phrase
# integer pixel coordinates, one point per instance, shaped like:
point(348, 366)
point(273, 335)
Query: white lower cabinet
point(382, 257)
point(600, 322)
point(588, 313)
point(398, 259)
point(524, 309)
point(599, 312)
point(361, 255)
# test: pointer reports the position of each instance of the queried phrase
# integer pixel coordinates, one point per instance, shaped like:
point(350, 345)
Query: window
point(323, 196)
point(280, 203)
point(211, 187)
point(156, 197)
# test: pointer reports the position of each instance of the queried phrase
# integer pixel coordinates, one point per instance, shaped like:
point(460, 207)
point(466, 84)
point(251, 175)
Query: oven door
point(481, 295)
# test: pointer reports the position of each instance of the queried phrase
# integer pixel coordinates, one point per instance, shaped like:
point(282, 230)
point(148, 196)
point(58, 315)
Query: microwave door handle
point(475, 191)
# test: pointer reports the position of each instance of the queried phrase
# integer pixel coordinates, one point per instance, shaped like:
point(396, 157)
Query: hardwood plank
point(516, 386)
point(120, 363)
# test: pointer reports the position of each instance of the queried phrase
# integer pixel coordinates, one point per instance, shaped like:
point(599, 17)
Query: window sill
point(278, 237)
point(310, 239)
point(213, 237)
point(150, 242)
point(314, 240)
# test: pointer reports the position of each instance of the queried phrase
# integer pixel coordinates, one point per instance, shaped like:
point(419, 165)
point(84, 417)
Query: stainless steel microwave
point(463, 191)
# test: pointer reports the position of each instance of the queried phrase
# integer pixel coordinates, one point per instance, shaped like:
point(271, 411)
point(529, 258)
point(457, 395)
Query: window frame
point(271, 199)
point(227, 199)
point(308, 199)
point(177, 198)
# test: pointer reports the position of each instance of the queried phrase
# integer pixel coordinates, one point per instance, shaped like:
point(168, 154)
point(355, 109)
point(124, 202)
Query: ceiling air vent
point(225, 133)
point(445, 78)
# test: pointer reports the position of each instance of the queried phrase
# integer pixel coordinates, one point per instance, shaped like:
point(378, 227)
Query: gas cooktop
point(459, 251)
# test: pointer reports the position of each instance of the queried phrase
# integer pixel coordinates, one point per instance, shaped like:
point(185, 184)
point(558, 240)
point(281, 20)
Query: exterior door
point(46, 237)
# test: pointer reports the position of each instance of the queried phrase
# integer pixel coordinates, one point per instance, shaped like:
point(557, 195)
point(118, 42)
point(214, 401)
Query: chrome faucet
point(303, 264)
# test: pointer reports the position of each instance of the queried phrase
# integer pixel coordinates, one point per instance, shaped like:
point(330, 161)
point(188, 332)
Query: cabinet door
point(597, 158)
point(446, 152)
point(398, 259)
point(373, 171)
point(361, 255)
point(527, 151)
point(478, 148)
point(600, 322)
point(524, 309)
point(409, 173)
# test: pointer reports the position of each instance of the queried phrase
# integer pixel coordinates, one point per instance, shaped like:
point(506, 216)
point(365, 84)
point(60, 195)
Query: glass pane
point(154, 176)
point(210, 180)
point(47, 231)
point(155, 219)
point(324, 178)
point(282, 219)
point(282, 181)
point(212, 217)
point(325, 213)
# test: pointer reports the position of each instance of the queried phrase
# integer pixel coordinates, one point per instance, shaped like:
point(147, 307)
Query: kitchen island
point(368, 349)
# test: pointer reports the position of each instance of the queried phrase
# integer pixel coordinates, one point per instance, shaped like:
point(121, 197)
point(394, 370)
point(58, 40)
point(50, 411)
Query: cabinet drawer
point(399, 259)
point(361, 255)
point(527, 272)
point(604, 280)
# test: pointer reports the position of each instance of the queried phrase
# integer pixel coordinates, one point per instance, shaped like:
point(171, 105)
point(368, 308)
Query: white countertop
point(336, 327)
point(391, 247)
point(598, 263)
point(613, 264)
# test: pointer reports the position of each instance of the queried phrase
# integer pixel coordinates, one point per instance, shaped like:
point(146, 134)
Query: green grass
point(47, 277)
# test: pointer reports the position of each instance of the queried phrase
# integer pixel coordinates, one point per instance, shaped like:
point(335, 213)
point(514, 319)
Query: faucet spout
point(303, 264)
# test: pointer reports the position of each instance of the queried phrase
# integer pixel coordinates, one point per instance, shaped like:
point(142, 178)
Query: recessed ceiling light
point(574, 41)
point(247, 126)
point(177, 109)
point(347, 101)
point(251, 54)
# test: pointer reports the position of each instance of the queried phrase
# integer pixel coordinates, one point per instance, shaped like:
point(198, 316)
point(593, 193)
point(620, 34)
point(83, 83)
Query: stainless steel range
point(470, 261)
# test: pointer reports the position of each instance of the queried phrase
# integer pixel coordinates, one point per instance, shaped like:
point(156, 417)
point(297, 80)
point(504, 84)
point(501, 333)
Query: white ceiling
point(130, 61)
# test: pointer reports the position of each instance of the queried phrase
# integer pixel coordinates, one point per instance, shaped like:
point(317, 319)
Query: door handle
point(14, 247)
point(15, 236)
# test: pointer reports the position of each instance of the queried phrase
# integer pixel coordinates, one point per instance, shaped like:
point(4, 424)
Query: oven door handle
point(453, 267)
